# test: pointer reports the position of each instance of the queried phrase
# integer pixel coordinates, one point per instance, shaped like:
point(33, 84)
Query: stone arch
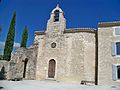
point(51, 68)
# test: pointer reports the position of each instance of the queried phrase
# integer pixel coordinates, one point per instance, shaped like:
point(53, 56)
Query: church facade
point(70, 55)
point(65, 54)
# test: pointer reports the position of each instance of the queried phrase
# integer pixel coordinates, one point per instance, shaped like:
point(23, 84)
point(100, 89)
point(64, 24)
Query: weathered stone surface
point(105, 58)
point(16, 65)
point(73, 53)
point(4, 63)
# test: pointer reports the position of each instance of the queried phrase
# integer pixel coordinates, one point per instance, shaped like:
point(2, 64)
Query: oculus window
point(53, 45)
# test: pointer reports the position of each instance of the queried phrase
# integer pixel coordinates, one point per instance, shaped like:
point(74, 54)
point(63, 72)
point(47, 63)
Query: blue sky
point(35, 13)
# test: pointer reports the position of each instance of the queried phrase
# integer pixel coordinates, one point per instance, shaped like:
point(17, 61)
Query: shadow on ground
point(1, 87)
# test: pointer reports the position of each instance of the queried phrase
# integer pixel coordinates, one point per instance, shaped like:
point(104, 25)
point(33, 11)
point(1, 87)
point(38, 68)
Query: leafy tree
point(24, 37)
point(1, 57)
point(10, 39)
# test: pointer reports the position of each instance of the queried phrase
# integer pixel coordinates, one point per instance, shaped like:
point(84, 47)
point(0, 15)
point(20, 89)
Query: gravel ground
point(49, 85)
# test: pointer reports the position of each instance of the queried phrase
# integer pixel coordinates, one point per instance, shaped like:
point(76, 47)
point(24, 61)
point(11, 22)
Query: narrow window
point(117, 31)
point(118, 72)
point(118, 48)
point(115, 48)
point(56, 16)
point(115, 72)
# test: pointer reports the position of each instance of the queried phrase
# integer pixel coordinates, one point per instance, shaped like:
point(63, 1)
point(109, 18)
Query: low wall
point(4, 63)
point(3, 69)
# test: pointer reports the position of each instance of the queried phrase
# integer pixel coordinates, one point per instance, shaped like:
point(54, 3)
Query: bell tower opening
point(56, 15)
point(57, 23)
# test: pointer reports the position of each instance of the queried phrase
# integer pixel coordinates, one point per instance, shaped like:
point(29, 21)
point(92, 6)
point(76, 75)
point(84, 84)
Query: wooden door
point(51, 69)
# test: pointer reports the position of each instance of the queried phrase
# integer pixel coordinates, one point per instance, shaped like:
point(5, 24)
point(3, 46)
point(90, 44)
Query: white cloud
point(16, 45)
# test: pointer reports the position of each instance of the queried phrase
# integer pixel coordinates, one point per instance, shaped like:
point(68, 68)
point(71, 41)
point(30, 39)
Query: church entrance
point(51, 69)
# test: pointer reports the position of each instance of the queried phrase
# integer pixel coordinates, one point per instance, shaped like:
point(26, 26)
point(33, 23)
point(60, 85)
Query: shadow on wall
point(2, 74)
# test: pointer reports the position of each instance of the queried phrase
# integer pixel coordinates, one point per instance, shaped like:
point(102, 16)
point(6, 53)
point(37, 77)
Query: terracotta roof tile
point(108, 24)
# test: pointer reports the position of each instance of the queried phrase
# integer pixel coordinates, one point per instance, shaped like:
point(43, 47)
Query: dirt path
point(49, 85)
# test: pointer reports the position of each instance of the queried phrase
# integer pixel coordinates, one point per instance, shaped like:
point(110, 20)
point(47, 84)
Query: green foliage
point(24, 37)
point(1, 57)
point(2, 73)
point(10, 39)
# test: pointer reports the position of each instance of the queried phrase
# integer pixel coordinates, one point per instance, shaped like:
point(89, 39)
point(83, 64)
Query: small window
point(116, 72)
point(118, 48)
point(117, 31)
point(56, 15)
point(115, 48)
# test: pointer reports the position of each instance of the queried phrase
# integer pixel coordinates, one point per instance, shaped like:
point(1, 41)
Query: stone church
point(70, 55)
point(57, 53)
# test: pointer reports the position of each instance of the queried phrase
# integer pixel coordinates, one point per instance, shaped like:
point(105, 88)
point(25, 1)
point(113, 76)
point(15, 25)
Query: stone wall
point(4, 63)
point(105, 58)
point(74, 52)
point(16, 65)
point(74, 55)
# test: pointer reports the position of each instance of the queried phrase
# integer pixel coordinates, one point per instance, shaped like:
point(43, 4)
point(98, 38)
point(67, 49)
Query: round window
point(53, 45)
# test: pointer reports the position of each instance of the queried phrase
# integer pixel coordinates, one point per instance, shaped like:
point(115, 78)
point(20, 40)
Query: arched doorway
point(25, 65)
point(51, 69)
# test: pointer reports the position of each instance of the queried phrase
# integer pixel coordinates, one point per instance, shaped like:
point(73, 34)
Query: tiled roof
point(75, 30)
point(39, 33)
point(72, 30)
point(108, 24)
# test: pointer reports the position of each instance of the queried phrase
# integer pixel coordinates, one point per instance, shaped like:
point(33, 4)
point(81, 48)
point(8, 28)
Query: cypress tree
point(24, 37)
point(10, 39)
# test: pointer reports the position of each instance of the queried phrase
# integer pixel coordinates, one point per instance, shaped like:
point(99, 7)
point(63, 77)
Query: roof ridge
point(109, 22)
point(81, 28)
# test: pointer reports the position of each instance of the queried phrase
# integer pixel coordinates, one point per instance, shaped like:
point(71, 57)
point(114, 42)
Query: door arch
point(51, 68)
point(25, 65)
